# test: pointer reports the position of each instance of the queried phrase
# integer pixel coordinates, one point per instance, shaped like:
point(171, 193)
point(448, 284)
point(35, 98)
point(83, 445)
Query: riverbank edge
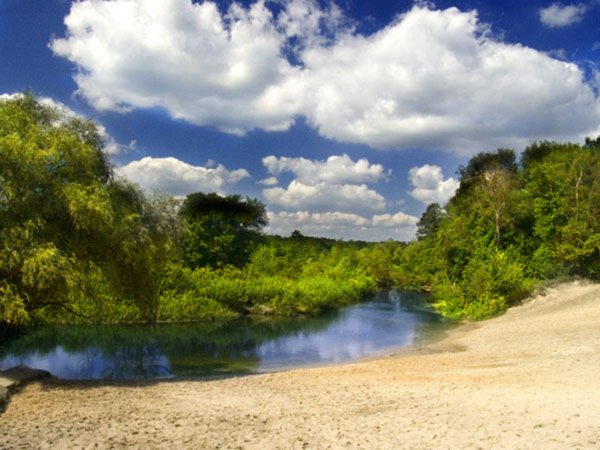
point(16, 377)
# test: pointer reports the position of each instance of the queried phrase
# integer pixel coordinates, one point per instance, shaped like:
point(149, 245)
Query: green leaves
point(12, 305)
point(562, 183)
point(61, 211)
point(508, 225)
point(220, 231)
point(89, 206)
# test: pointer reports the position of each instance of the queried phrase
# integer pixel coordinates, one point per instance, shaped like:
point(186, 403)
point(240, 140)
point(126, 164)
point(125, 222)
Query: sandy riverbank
point(529, 379)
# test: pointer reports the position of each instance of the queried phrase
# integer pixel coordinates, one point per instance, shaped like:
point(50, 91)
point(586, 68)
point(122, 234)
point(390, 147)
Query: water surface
point(249, 345)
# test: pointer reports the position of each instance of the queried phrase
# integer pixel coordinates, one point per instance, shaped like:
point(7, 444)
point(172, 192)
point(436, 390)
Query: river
point(251, 345)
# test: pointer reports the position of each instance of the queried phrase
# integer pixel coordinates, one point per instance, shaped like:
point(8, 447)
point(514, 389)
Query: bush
point(490, 283)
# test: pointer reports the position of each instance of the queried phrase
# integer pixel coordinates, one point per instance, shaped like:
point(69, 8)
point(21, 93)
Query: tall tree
point(430, 220)
point(502, 160)
point(562, 187)
point(488, 179)
point(221, 230)
point(61, 212)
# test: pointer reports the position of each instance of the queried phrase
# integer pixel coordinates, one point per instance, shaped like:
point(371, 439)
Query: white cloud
point(336, 184)
point(270, 181)
point(309, 24)
point(558, 15)
point(394, 220)
point(558, 53)
point(430, 186)
point(200, 65)
point(459, 89)
point(329, 199)
point(175, 177)
point(335, 170)
point(337, 225)
point(325, 197)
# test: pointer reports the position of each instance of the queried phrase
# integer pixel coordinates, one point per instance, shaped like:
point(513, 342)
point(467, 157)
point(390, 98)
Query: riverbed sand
point(528, 379)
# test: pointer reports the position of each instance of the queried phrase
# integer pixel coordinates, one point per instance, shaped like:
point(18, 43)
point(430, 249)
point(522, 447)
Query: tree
point(430, 220)
point(503, 160)
point(562, 190)
point(297, 235)
point(488, 179)
point(220, 230)
point(62, 215)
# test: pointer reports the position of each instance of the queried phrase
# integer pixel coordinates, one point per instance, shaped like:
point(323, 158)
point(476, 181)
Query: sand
point(528, 379)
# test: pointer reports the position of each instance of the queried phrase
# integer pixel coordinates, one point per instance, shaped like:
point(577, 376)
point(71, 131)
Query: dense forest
point(78, 244)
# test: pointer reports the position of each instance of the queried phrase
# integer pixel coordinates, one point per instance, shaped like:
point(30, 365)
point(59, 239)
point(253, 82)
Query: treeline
point(78, 244)
point(510, 225)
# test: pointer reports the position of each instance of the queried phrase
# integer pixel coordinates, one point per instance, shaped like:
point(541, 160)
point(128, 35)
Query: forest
point(80, 245)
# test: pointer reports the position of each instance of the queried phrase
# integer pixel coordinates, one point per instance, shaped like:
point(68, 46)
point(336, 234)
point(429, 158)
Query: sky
point(346, 117)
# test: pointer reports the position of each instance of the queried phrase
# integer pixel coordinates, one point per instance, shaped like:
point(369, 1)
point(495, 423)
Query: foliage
point(79, 245)
point(278, 280)
point(430, 220)
point(60, 211)
point(220, 231)
point(508, 226)
point(503, 160)
point(490, 281)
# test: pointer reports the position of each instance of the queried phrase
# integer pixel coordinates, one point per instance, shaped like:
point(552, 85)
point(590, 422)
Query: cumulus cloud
point(457, 88)
point(325, 197)
point(337, 225)
point(558, 15)
point(430, 186)
point(335, 170)
point(331, 199)
point(431, 78)
point(175, 177)
point(336, 184)
point(399, 219)
point(190, 59)
point(270, 181)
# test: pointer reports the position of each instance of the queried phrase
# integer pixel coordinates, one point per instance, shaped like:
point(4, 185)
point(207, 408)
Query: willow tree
point(63, 215)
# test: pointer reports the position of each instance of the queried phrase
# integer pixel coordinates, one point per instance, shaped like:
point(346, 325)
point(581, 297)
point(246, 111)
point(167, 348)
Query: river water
point(251, 345)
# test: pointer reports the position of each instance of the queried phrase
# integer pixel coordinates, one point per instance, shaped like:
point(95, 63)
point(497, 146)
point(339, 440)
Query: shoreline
point(527, 379)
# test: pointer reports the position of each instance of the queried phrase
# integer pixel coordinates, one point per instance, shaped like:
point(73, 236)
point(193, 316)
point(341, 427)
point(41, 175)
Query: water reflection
point(248, 345)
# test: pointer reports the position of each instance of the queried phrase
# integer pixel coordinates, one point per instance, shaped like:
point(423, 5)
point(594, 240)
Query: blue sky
point(345, 118)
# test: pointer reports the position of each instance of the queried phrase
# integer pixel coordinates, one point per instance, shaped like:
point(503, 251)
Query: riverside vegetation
point(80, 245)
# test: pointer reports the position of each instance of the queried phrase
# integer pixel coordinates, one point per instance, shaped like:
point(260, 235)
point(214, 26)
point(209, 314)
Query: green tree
point(489, 180)
point(562, 189)
point(62, 215)
point(220, 230)
point(502, 159)
point(430, 220)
